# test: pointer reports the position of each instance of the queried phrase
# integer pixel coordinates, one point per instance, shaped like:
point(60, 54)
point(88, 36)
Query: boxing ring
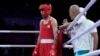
point(64, 46)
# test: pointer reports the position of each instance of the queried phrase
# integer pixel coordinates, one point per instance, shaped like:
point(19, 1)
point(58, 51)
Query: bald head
point(74, 11)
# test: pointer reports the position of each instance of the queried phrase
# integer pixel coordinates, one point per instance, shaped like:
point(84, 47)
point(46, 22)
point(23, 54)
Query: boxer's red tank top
point(46, 30)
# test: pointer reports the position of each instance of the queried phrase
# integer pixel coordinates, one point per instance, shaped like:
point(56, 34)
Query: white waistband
point(46, 41)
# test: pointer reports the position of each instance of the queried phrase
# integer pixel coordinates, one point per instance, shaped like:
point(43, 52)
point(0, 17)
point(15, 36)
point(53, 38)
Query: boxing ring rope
point(79, 15)
point(26, 46)
point(16, 31)
point(21, 31)
point(65, 46)
point(84, 32)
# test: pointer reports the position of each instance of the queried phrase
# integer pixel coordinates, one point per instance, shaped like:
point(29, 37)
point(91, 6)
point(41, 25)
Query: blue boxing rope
point(84, 32)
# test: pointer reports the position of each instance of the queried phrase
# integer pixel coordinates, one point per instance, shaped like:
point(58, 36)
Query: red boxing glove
point(35, 52)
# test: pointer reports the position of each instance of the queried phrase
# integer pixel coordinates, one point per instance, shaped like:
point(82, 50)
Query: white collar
point(82, 18)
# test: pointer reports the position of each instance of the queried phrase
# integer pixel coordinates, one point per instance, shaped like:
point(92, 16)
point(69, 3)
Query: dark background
point(24, 15)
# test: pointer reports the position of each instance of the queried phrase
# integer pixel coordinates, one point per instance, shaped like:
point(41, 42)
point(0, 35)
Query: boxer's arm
point(38, 40)
point(54, 27)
